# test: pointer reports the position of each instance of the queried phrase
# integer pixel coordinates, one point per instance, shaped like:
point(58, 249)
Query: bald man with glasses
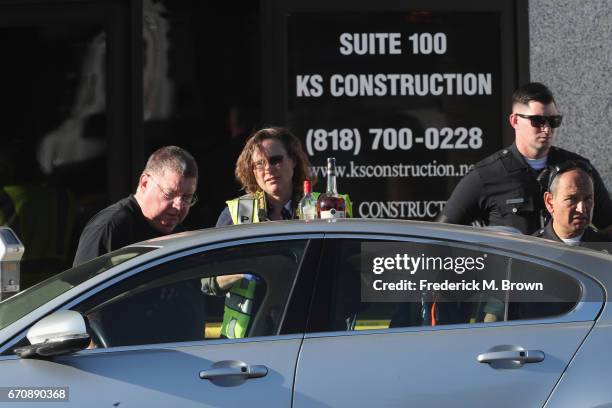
point(503, 189)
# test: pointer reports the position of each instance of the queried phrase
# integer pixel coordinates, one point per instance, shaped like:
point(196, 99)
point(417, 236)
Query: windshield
point(24, 302)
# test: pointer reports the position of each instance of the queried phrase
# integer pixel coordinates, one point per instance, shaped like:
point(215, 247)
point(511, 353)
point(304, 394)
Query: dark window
point(188, 300)
point(53, 159)
point(346, 300)
point(16, 307)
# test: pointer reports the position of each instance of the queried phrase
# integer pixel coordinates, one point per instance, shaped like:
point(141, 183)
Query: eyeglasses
point(275, 160)
point(568, 166)
point(539, 121)
point(187, 200)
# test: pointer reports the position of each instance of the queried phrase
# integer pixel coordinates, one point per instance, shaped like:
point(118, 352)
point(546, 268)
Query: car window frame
point(73, 277)
point(305, 273)
point(584, 311)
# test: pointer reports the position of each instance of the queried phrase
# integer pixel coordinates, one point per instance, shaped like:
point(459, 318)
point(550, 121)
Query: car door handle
point(254, 371)
point(519, 356)
point(229, 373)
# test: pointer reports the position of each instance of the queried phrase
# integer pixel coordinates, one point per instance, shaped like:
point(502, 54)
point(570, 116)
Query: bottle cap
point(307, 186)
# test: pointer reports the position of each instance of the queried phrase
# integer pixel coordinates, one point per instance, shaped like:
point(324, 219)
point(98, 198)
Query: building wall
point(571, 52)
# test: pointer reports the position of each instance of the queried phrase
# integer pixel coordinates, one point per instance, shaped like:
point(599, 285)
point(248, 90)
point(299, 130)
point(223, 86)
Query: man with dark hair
point(165, 193)
point(569, 200)
point(503, 189)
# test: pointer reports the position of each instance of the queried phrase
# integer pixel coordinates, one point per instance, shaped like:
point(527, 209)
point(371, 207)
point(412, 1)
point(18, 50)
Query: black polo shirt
point(114, 227)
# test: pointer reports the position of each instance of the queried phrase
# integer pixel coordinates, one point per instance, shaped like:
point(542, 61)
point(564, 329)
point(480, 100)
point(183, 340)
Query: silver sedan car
point(319, 314)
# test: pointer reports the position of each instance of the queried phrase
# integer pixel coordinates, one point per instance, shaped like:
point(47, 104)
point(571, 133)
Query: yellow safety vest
point(238, 309)
point(248, 209)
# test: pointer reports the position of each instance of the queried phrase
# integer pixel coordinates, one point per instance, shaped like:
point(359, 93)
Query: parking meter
point(11, 251)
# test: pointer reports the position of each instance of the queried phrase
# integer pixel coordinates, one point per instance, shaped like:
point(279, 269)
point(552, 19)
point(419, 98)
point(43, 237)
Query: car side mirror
point(62, 332)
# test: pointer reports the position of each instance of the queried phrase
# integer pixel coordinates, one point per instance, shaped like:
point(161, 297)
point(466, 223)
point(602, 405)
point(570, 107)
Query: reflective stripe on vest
point(238, 309)
point(247, 209)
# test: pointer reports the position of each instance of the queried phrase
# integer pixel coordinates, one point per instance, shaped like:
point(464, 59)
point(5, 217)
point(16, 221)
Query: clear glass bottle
point(330, 204)
point(308, 204)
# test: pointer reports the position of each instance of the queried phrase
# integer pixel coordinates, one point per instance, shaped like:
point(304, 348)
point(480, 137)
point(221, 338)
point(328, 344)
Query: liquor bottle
point(330, 204)
point(308, 204)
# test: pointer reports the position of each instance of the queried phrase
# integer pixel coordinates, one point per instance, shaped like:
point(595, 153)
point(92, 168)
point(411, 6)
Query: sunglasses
point(276, 160)
point(568, 166)
point(539, 121)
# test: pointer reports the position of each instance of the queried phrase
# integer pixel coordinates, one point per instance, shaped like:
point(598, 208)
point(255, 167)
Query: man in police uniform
point(569, 200)
point(503, 189)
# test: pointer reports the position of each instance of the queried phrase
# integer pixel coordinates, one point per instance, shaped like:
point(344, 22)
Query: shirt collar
point(287, 212)
point(536, 164)
point(575, 241)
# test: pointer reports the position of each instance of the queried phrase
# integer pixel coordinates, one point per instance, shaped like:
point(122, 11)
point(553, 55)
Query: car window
point(26, 301)
point(233, 292)
point(365, 285)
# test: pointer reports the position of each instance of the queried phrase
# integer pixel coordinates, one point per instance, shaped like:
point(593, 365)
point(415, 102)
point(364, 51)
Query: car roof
point(486, 237)
point(341, 226)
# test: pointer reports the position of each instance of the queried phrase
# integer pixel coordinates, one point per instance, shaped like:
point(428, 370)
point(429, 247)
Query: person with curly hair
point(271, 170)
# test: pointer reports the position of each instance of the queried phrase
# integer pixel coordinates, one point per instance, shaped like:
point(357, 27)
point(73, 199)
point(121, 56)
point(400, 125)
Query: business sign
point(407, 102)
